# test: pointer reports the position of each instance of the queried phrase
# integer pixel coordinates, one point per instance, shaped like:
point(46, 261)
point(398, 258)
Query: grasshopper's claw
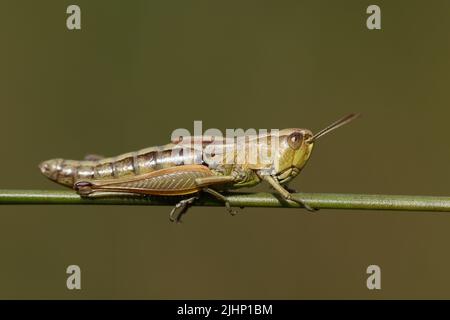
point(229, 209)
point(184, 206)
point(305, 205)
point(308, 207)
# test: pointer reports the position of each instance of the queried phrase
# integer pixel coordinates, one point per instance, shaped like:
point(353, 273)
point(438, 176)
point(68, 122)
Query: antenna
point(333, 126)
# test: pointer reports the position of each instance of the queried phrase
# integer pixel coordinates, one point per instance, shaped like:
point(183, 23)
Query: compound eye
point(295, 140)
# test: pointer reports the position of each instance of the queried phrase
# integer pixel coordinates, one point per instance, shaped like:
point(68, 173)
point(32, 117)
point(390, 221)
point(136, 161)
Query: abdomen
point(68, 172)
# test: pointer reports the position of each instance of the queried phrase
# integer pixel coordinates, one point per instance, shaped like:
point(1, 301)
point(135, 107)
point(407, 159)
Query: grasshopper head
point(295, 147)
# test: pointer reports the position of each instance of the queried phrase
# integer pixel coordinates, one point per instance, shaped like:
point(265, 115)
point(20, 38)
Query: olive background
point(137, 70)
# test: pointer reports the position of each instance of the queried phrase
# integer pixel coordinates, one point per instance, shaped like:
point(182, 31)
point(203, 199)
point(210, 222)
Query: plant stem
point(315, 200)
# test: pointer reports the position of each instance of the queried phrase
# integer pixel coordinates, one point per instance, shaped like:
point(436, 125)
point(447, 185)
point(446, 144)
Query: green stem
point(315, 200)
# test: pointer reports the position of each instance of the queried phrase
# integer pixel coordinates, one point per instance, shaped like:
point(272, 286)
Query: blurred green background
point(139, 69)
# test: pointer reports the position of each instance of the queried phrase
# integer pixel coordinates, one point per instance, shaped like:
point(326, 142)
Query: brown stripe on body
point(146, 160)
point(166, 159)
point(123, 165)
point(84, 172)
point(136, 169)
point(67, 171)
point(103, 171)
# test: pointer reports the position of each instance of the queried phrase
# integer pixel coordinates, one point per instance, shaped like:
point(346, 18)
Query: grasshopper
point(159, 171)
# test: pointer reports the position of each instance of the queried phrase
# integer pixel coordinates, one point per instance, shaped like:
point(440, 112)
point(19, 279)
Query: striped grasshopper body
point(161, 171)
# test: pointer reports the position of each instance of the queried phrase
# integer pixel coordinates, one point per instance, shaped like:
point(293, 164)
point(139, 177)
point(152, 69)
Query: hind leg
point(183, 205)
